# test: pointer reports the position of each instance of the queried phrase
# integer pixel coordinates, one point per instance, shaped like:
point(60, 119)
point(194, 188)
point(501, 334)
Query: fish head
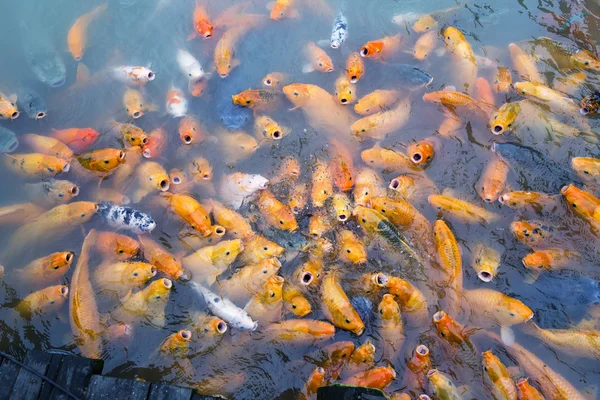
point(57, 263)
point(198, 87)
point(589, 105)
point(447, 328)
point(299, 306)
point(159, 180)
point(339, 352)
point(50, 69)
point(323, 62)
point(453, 37)
point(364, 354)
point(511, 311)
point(273, 289)
point(583, 59)
point(388, 309)
point(124, 247)
point(370, 49)
point(354, 68)
point(201, 169)
point(354, 251)
point(249, 184)
point(224, 253)
point(424, 24)
point(8, 109)
point(81, 210)
point(188, 130)
point(364, 125)
point(213, 326)
point(297, 93)
point(344, 90)
point(539, 261)
point(525, 89)
point(279, 10)
point(139, 273)
point(158, 291)
point(176, 176)
point(420, 153)
point(268, 249)
point(53, 298)
point(87, 135)
point(273, 80)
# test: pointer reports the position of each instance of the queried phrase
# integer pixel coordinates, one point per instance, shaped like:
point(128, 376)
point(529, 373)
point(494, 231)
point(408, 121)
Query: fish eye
point(56, 267)
point(248, 102)
point(106, 161)
point(574, 205)
point(586, 63)
point(135, 274)
point(348, 251)
point(265, 271)
point(294, 306)
point(190, 74)
point(82, 215)
point(523, 92)
point(157, 297)
point(280, 222)
point(281, 14)
point(52, 302)
point(121, 251)
point(348, 320)
point(364, 130)
point(448, 36)
point(364, 221)
point(296, 94)
point(443, 333)
point(227, 253)
point(512, 314)
point(272, 294)
point(205, 330)
point(320, 64)
point(60, 195)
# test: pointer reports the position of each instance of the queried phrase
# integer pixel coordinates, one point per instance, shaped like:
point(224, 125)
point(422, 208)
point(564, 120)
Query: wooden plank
point(51, 373)
point(28, 385)
point(109, 388)
point(8, 375)
point(159, 391)
point(74, 374)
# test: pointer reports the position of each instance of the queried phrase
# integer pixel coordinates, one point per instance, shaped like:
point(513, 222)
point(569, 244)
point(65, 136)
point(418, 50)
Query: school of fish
point(157, 237)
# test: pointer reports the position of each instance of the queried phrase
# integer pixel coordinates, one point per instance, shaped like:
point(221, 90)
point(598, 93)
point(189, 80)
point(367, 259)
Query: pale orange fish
point(275, 213)
point(135, 105)
point(298, 197)
point(377, 378)
point(234, 222)
point(300, 330)
point(35, 165)
point(464, 61)
point(483, 92)
point(294, 301)
point(492, 180)
point(281, 9)
point(77, 36)
point(412, 301)
point(151, 178)
point(45, 270)
point(368, 185)
point(318, 60)
point(376, 101)
point(417, 367)
point(315, 381)
point(134, 135)
point(390, 326)
point(575, 342)
point(362, 358)
point(581, 202)
point(524, 64)
point(266, 305)
point(450, 259)
point(117, 247)
point(47, 145)
point(502, 309)
point(355, 67)
point(275, 80)
point(382, 49)
point(147, 304)
point(202, 24)
point(319, 224)
point(78, 139)
point(157, 141)
point(352, 249)
point(503, 386)
point(8, 107)
point(51, 193)
point(527, 392)
point(224, 57)
point(424, 45)
point(176, 103)
point(266, 127)
point(249, 280)
point(200, 170)
point(486, 261)
point(461, 210)
point(421, 153)
point(520, 199)
point(44, 301)
point(387, 159)
point(550, 259)
point(342, 206)
point(83, 310)
point(345, 91)
point(190, 211)
point(121, 277)
point(587, 168)
point(258, 248)
point(379, 125)
point(190, 130)
point(341, 166)
point(337, 306)
point(322, 184)
point(503, 80)
point(176, 344)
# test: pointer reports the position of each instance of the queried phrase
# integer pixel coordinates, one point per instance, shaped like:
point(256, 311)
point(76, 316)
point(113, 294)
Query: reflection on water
point(38, 65)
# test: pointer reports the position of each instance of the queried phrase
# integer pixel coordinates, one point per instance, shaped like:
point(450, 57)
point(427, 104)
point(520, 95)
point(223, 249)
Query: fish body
point(449, 254)
point(207, 263)
point(376, 378)
point(44, 301)
point(417, 368)
point(337, 306)
point(8, 107)
point(382, 49)
point(148, 303)
point(549, 259)
point(503, 309)
point(486, 262)
point(203, 26)
point(258, 248)
point(453, 334)
point(386, 159)
point(103, 161)
point(46, 270)
point(126, 218)
point(582, 202)
point(381, 124)
point(257, 99)
point(176, 344)
point(236, 187)
point(135, 105)
point(539, 93)
point(502, 80)
point(541, 174)
point(157, 141)
point(461, 210)
point(8, 140)
point(424, 45)
point(355, 67)
point(441, 386)
point(503, 120)
point(191, 212)
point(318, 60)
point(116, 247)
point(294, 301)
point(339, 31)
point(32, 103)
point(83, 310)
point(177, 104)
point(35, 165)
point(524, 64)
point(322, 184)
point(376, 101)
point(390, 326)
point(492, 180)
point(503, 387)
point(275, 213)
point(224, 56)
point(352, 249)
point(133, 75)
point(77, 139)
point(41, 55)
point(225, 309)
point(587, 168)
point(47, 145)
point(52, 192)
point(527, 392)
point(300, 330)
point(77, 36)
point(590, 105)
point(237, 145)
point(162, 259)
point(248, 280)
point(120, 277)
point(266, 305)
point(533, 233)
point(574, 342)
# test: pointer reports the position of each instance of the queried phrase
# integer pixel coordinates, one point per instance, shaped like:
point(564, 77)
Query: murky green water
point(148, 33)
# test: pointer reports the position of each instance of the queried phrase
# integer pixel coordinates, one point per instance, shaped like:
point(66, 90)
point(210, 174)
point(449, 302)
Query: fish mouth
point(437, 317)
point(277, 135)
point(381, 279)
point(176, 180)
point(121, 155)
point(185, 335)
point(394, 184)
point(223, 76)
point(488, 199)
point(306, 278)
point(69, 257)
point(147, 153)
point(78, 58)
point(15, 115)
point(417, 158)
point(364, 52)
point(494, 148)
point(584, 111)
point(40, 115)
point(432, 372)
point(59, 83)
point(344, 101)
point(329, 70)
point(164, 185)
point(360, 331)
point(220, 231)
point(185, 276)
point(342, 217)
point(187, 139)
point(66, 168)
point(502, 199)
point(485, 276)
point(13, 146)
point(136, 115)
point(498, 129)
point(64, 291)
point(221, 327)
point(353, 79)
point(151, 75)
point(422, 350)
point(153, 271)
point(167, 283)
